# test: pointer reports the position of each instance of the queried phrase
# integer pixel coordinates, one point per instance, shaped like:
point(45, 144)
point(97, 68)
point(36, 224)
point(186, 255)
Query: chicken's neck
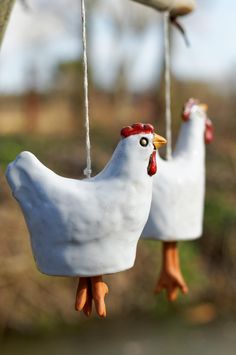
point(191, 138)
point(126, 164)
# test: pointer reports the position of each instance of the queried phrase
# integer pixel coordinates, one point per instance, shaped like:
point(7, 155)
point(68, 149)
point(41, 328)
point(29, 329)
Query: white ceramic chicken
point(178, 194)
point(91, 227)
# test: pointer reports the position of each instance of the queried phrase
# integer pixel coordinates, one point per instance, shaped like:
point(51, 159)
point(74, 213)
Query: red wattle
point(209, 132)
point(152, 166)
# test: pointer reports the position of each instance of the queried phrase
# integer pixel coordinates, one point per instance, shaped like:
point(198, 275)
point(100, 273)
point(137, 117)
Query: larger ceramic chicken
point(178, 195)
point(91, 227)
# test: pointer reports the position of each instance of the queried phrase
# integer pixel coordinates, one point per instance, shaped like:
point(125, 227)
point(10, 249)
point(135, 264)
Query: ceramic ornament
point(175, 7)
point(178, 193)
point(182, 8)
point(5, 11)
point(89, 227)
point(160, 5)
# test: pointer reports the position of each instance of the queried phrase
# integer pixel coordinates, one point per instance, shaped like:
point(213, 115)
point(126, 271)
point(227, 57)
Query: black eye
point(144, 142)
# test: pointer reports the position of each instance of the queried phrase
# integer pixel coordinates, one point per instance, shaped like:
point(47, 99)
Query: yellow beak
point(204, 107)
point(158, 141)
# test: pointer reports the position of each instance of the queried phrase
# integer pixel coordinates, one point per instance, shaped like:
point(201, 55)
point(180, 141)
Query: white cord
point(88, 169)
point(168, 86)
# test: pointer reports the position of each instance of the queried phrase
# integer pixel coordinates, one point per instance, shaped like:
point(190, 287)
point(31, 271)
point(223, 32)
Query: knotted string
point(168, 116)
point(88, 169)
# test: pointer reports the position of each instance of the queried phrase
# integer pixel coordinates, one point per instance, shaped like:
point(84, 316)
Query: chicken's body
point(80, 228)
point(179, 190)
point(84, 228)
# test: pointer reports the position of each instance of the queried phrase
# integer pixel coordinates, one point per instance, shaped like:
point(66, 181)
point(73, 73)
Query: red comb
point(136, 128)
point(188, 108)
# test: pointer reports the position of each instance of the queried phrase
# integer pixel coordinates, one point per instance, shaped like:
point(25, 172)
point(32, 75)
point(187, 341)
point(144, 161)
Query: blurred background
point(41, 110)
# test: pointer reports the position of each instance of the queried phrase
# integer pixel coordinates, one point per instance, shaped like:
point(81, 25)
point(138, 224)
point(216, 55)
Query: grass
point(220, 214)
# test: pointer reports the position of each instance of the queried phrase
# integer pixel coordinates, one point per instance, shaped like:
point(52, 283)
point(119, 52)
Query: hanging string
point(168, 86)
point(88, 169)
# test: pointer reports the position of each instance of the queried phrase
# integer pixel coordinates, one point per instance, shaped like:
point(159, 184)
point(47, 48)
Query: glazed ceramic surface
point(89, 227)
point(160, 5)
point(182, 7)
point(176, 7)
point(179, 187)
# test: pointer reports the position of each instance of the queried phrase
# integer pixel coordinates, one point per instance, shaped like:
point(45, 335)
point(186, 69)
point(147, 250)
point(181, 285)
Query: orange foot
point(171, 278)
point(89, 289)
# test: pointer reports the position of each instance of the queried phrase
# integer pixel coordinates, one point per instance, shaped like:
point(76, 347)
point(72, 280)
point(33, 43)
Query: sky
point(44, 35)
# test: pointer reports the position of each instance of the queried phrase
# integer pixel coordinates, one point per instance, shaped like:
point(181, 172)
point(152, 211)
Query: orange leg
point(171, 278)
point(89, 289)
point(99, 291)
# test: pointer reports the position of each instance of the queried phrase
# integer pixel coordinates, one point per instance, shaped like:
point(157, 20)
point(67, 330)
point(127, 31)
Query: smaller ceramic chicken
point(91, 227)
point(178, 195)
